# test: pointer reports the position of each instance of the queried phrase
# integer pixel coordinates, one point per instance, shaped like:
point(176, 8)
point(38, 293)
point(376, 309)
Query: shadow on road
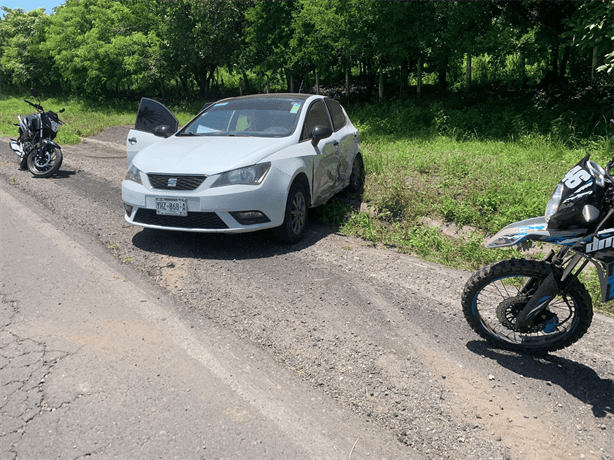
point(62, 174)
point(254, 245)
point(577, 379)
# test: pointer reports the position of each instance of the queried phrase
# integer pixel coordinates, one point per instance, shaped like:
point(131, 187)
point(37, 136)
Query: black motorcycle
point(35, 147)
point(540, 305)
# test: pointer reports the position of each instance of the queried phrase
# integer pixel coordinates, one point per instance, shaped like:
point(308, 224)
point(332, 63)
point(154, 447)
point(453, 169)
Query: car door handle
point(132, 140)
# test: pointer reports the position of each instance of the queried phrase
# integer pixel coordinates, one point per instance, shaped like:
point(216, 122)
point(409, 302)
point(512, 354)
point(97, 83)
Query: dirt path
point(380, 332)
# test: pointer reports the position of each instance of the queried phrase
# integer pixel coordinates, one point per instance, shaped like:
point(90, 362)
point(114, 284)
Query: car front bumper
point(210, 210)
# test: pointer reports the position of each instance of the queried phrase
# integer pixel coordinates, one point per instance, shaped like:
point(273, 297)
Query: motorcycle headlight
point(134, 174)
point(251, 175)
point(553, 205)
point(54, 126)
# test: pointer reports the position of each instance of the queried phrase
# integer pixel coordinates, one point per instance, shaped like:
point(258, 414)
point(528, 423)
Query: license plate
point(172, 206)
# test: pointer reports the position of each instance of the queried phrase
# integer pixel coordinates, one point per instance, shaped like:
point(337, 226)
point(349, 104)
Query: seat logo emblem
point(172, 182)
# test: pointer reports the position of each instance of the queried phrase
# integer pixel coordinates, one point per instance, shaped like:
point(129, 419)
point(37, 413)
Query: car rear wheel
point(295, 218)
point(357, 178)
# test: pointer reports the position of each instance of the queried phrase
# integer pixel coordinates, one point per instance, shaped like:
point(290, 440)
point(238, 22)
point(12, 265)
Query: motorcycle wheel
point(497, 293)
point(44, 163)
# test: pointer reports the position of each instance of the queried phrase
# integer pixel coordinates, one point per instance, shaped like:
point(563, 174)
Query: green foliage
point(119, 48)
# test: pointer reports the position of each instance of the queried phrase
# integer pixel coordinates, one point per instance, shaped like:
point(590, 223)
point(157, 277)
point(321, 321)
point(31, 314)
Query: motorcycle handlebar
point(36, 106)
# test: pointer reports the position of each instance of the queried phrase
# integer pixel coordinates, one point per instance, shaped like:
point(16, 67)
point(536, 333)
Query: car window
point(264, 117)
point(152, 114)
point(317, 116)
point(337, 114)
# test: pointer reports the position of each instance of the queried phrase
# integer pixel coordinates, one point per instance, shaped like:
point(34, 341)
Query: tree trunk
point(419, 84)
point(551, 76)
point(381, 84)
point(317, 82)
point(594, 65)
point(246, 80)
point(370, 78)
point(402, 79)
point(443, 75)
point(347, 81)
point(522, 69)
point(468, 73)
point(564, 62)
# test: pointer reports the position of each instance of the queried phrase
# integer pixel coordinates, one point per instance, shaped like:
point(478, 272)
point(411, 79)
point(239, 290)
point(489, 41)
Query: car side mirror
point(163, 131)
point(320, 132)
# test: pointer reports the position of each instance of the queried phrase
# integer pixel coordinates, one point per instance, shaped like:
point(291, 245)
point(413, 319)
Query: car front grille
point(196, 220)
point(175, 182)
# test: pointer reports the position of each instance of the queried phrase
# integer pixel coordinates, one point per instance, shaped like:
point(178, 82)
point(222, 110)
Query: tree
point(590, 31)
point(268, 32)
point(21, 35)
point(102, 46)
point(199, 37)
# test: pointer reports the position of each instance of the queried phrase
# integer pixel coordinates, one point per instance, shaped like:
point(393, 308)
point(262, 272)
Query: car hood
point(206, 154)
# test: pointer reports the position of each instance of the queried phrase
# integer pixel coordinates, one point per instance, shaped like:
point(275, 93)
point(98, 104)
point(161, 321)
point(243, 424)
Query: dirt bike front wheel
point(497, 293)
point(45, 163)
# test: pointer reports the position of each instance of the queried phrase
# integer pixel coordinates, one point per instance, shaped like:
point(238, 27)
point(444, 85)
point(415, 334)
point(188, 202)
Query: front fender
point(47, 143)
point(535, 229)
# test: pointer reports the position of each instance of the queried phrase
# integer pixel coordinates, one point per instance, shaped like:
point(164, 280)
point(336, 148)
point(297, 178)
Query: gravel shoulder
point(380, 332)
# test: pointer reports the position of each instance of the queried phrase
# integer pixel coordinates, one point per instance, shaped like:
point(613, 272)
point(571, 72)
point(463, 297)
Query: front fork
point(551, 286)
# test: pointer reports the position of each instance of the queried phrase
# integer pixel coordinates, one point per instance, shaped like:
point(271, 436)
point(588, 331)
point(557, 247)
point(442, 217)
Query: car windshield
point(265, 117)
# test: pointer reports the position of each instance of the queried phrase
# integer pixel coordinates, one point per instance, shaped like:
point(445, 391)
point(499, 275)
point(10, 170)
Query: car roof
point(273, 96)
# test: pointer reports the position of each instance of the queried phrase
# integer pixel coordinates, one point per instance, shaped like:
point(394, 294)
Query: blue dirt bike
point(540, 305)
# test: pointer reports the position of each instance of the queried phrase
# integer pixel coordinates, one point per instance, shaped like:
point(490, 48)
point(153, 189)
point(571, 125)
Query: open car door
point(151, 115)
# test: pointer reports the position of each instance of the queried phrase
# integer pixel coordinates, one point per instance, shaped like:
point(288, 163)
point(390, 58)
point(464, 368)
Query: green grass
point(82, 118)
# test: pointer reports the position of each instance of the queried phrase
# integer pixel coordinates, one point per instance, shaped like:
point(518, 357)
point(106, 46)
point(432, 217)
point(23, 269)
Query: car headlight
point(134, 174)
point(553, 205)
point(251, 175)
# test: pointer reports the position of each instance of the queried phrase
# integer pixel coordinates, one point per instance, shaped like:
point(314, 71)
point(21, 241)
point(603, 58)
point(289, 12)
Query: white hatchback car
point(242, 164)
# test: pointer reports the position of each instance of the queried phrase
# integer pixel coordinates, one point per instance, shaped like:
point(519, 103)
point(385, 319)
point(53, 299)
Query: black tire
point(357, 177)
point(23, 161)
point(494, 295)
point(295, 218)
point(45, 163)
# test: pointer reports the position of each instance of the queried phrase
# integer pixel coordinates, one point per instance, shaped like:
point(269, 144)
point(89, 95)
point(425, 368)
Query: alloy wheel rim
point(297, 213)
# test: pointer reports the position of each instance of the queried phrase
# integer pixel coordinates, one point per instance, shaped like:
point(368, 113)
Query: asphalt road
point(370, 347)
point(96, 363)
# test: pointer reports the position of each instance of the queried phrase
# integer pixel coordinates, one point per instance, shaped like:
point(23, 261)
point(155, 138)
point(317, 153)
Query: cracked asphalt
point(93, 366)
point(348, 349)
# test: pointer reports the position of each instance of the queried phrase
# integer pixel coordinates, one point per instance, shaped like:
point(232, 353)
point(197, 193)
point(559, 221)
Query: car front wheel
point(295, 217)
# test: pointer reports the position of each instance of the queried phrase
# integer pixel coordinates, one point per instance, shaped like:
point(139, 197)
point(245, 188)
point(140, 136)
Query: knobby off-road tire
point(45, 163)
point(494, 296)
